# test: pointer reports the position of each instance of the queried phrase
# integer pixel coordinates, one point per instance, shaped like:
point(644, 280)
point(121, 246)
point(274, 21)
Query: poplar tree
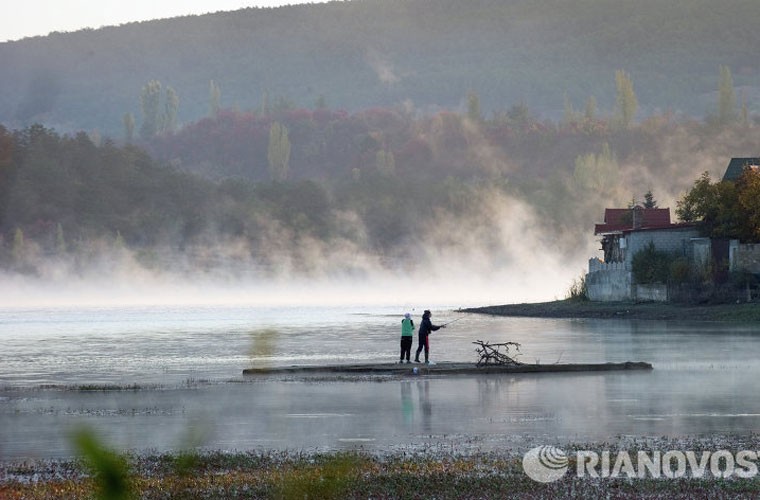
point(129, 127)
point(150, 101)
point(215, 98)
point(597, 172)
point(171, 108)
point(590, 112)
point(626, 103)
point(726, 97)
point(473, 106)
point(385, 162)
point(570, 115)
point(60, 241)
point(19, 248)
point(278, 153)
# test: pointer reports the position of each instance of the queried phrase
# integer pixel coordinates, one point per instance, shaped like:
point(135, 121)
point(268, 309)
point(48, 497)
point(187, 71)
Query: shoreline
point(404, 473)
point(583, 309)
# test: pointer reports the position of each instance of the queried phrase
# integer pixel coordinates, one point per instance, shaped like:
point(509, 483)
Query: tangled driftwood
point(491, 354)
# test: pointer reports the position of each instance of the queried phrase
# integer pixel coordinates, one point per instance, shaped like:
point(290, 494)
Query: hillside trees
point(214, 98)
point(428, 47)
point(150, 104)
point(171, 107)
point(726, 97)
point(597, 172)
point(626, 103)
point(278, 152)
point(156, 118)
point(129, 127)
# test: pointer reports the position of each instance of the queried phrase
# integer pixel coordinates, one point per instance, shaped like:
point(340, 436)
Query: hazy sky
point(40, 17)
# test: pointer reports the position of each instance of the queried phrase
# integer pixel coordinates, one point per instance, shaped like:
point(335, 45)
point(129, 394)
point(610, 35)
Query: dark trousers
point(423, 345)
point(406, 347)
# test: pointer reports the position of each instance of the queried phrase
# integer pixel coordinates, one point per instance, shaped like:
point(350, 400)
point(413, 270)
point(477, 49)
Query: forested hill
point(364, 53)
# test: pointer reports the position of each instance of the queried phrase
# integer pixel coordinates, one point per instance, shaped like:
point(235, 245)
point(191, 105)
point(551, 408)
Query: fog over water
point(506, 258)
point(186, 364)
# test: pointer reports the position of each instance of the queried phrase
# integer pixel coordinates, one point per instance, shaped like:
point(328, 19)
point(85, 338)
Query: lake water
point(187, 362)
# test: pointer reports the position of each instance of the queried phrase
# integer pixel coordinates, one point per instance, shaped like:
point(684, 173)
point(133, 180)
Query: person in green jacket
point(407, 336)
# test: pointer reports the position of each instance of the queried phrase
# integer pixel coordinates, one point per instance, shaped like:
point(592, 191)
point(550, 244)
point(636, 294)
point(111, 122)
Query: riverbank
point(431, 473)
point(625, 310)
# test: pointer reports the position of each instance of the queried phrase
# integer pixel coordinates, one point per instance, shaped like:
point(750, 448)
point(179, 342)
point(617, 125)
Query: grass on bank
point(346, 475)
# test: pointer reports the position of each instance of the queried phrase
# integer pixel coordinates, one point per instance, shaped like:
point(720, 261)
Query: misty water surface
point(188, 363)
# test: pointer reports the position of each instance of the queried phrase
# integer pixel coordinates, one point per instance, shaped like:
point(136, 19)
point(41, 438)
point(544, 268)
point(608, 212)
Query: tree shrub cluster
point(725, 209)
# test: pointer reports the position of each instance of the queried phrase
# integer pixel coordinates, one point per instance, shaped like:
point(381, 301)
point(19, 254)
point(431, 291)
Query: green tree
point(744, 117)
point(473, 106)
point(695, 204)
point(716, 207)
point(569, 115)
point(278, 152)
point(650, 265)
point(748, 197)
point(385, 162)
point(129, 127)
point(726, 97)
point(18, 251)
point(150, 101)
point(626, 103)
point(215, 98)
point(60, 241)
point(171, 108)
point(649, 201)
point(590, 112)
point(598, 172)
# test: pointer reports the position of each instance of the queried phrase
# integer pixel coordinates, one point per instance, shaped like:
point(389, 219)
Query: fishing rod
point(453, 321)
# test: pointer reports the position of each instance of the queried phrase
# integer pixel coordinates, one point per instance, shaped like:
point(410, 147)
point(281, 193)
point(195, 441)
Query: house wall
point(656, 292)
point(746, 257)
point(613, 281)
point(669, 240)
point(701, 252)
point(608, 282)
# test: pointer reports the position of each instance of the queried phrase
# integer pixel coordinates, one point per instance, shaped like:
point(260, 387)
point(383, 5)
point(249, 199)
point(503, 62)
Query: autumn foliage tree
point(725, 209)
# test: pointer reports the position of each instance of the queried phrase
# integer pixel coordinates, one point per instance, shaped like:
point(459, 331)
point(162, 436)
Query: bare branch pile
point(496, 354)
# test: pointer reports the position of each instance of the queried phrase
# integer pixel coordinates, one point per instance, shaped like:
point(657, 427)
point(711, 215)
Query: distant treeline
point(301, 189)
point(364, 53)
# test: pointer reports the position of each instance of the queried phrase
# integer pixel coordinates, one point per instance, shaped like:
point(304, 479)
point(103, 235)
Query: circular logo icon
point(545, 464)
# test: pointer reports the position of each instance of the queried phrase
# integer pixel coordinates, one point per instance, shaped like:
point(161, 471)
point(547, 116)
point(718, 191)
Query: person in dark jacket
point(426, 328)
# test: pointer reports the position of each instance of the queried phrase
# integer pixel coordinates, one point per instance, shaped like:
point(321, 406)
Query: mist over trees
point(362, 54)
point(313, 191)
point(309, 140)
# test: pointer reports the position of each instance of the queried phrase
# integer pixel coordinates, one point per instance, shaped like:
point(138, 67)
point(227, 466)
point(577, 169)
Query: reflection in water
point(424, 410)
point(426, 407)
point(702, 382)
point(407, 405)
